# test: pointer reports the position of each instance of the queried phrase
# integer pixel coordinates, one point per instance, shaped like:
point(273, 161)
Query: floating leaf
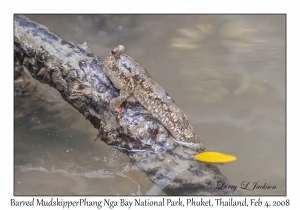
point(214, 157)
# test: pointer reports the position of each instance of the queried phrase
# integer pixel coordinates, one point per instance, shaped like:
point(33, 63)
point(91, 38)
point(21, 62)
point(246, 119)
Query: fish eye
point(121, 48)
point(118, 50)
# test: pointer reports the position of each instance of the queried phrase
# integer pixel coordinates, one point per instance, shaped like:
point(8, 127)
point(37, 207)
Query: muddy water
point(226, 72)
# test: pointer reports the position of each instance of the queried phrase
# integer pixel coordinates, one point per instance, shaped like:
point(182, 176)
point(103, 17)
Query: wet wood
point(79, 77)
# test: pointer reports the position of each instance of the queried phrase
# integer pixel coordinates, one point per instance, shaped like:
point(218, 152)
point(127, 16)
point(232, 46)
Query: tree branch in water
point(79, 77)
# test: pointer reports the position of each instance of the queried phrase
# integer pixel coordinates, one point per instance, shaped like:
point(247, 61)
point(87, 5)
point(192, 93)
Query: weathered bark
point(79, 77)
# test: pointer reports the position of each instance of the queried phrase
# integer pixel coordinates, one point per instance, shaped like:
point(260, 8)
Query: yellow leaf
point(214, 157)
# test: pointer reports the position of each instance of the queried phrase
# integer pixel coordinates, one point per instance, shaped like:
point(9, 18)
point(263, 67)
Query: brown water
point(226, 72)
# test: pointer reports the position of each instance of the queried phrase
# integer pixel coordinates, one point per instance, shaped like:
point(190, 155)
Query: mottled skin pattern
point(132, 79)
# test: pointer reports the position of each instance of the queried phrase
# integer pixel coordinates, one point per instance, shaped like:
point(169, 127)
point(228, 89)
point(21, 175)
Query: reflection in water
point(226, 72)
point(50, 149)
point(165, 181)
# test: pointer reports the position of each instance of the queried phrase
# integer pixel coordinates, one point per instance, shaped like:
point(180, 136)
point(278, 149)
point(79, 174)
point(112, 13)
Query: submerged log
point(79, 77)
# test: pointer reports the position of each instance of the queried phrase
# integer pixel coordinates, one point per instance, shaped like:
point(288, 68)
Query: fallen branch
point(79, 77)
